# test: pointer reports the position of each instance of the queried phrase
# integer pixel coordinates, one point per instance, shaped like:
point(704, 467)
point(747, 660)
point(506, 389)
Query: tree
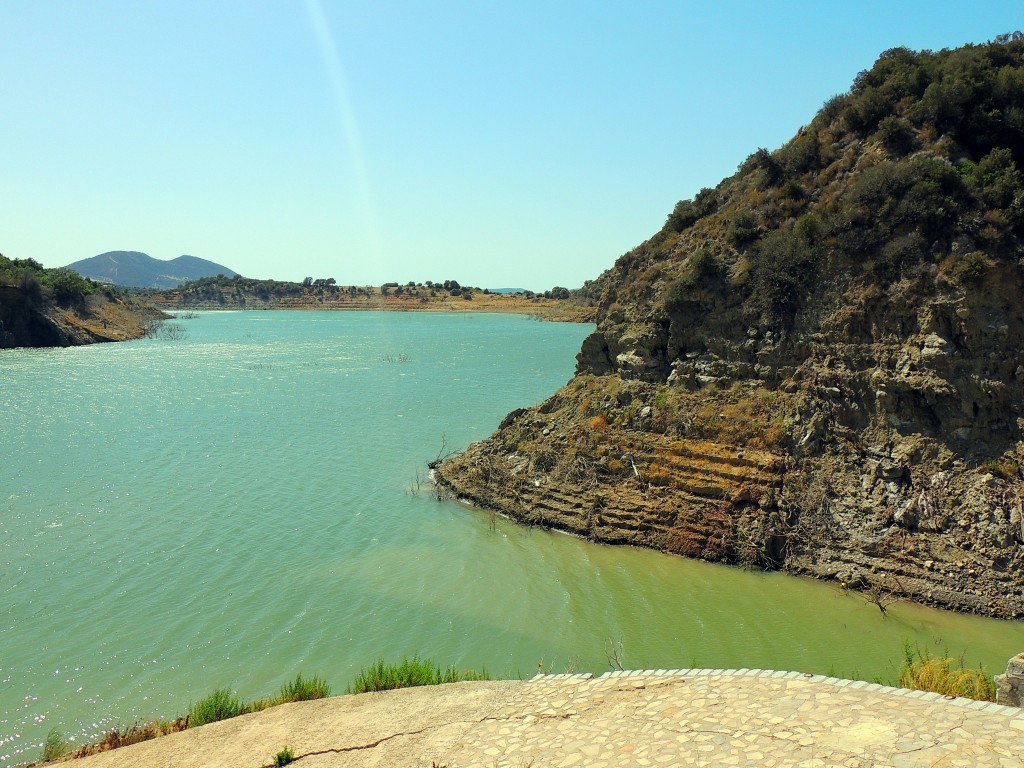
point(69, 287)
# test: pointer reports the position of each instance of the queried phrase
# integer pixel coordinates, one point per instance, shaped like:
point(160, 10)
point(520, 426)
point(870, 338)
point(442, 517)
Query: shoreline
point(555, 310)
point(557, 716)
point(528, 511)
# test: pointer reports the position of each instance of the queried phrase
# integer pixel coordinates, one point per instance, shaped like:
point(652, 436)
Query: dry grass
point(127, 735)
point(944, 675)
point(755, 418)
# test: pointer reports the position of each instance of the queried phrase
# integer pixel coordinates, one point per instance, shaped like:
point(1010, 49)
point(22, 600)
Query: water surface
point(237, 506)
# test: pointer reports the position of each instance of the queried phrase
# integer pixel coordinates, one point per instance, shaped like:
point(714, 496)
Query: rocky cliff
point(28, 320)
point(816, 366)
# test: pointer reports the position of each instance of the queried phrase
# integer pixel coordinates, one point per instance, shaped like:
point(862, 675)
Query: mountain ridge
point(134, 269)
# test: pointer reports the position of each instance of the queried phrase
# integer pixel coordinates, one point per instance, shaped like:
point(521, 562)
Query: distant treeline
point(220, 288)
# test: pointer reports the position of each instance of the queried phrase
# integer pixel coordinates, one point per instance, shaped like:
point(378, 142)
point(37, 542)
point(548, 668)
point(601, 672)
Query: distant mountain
point(137, 270)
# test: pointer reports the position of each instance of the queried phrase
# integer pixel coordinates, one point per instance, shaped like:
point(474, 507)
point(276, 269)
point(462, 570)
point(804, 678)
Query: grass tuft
point(410, 673)
point(304, 689)
point(219, 705)
point(944, 675)
point(55, 747)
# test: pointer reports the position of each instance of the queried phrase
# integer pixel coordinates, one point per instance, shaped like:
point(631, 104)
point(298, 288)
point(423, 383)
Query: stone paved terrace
point(688, 717)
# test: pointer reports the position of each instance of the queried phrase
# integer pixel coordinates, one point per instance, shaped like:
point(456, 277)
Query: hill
point(816, 365)
point(137, 270)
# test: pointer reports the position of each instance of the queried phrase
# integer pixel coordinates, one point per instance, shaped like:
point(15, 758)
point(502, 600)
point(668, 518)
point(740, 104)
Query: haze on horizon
point(524, 144)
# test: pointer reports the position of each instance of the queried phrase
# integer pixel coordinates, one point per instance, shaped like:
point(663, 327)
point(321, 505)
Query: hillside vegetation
point(815, 365)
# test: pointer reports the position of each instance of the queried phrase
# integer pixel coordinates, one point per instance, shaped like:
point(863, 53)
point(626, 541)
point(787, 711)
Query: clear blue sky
point(499, 144)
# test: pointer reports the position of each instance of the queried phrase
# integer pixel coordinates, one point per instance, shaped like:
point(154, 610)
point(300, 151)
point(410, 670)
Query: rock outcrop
point(1010, 685)
point(29, 321)
point(816, 366)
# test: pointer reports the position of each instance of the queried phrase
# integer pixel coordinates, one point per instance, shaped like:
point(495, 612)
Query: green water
point(236, 506)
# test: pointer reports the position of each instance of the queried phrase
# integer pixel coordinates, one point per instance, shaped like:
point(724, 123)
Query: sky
point(521, 144)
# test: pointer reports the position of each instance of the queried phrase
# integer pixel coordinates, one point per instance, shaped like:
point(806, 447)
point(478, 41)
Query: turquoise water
point(239, 505)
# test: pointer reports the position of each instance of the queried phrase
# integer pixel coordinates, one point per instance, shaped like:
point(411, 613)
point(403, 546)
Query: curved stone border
point(838, 682)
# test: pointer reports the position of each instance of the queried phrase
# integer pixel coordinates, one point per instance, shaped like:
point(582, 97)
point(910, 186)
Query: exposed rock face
point(1010, 685)
point(816, 366)
point(31, 322)
point(22, 325)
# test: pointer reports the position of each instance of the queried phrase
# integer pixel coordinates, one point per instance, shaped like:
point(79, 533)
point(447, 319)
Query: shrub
point(28, 281)
point(769, 171)
point(742, 229)
point(971, 269)
point(55, 747)
point(890, 198)
point(700, 270)
point(219, 705)
point(410, 673)
point(284, 757)
point(865, 109)
point(809, 228)
point(944, 675)
point(833, 107)
point(1008, 469)
point(304, 689)
point(995, 177)
point(897, 134)
point(784, 270)
point(687, 212)
point(599, 423)
point(801, 154)
point(69, 287)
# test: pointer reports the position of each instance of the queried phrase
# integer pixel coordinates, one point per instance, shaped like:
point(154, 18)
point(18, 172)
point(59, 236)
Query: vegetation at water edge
point(945, 675)
point(55, 746)
point(410, 673)
point(219, 705)
point(223, 704)
point(919, 671)
point(304, 689)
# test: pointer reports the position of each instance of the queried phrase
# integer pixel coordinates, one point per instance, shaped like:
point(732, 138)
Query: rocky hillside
point(58, 308)
point(817, 365)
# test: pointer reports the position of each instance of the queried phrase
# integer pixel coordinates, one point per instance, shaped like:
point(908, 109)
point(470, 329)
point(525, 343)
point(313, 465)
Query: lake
point(249, 501)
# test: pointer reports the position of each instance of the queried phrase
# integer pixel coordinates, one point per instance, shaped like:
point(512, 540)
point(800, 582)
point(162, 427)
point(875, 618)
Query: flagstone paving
point(640, 718)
